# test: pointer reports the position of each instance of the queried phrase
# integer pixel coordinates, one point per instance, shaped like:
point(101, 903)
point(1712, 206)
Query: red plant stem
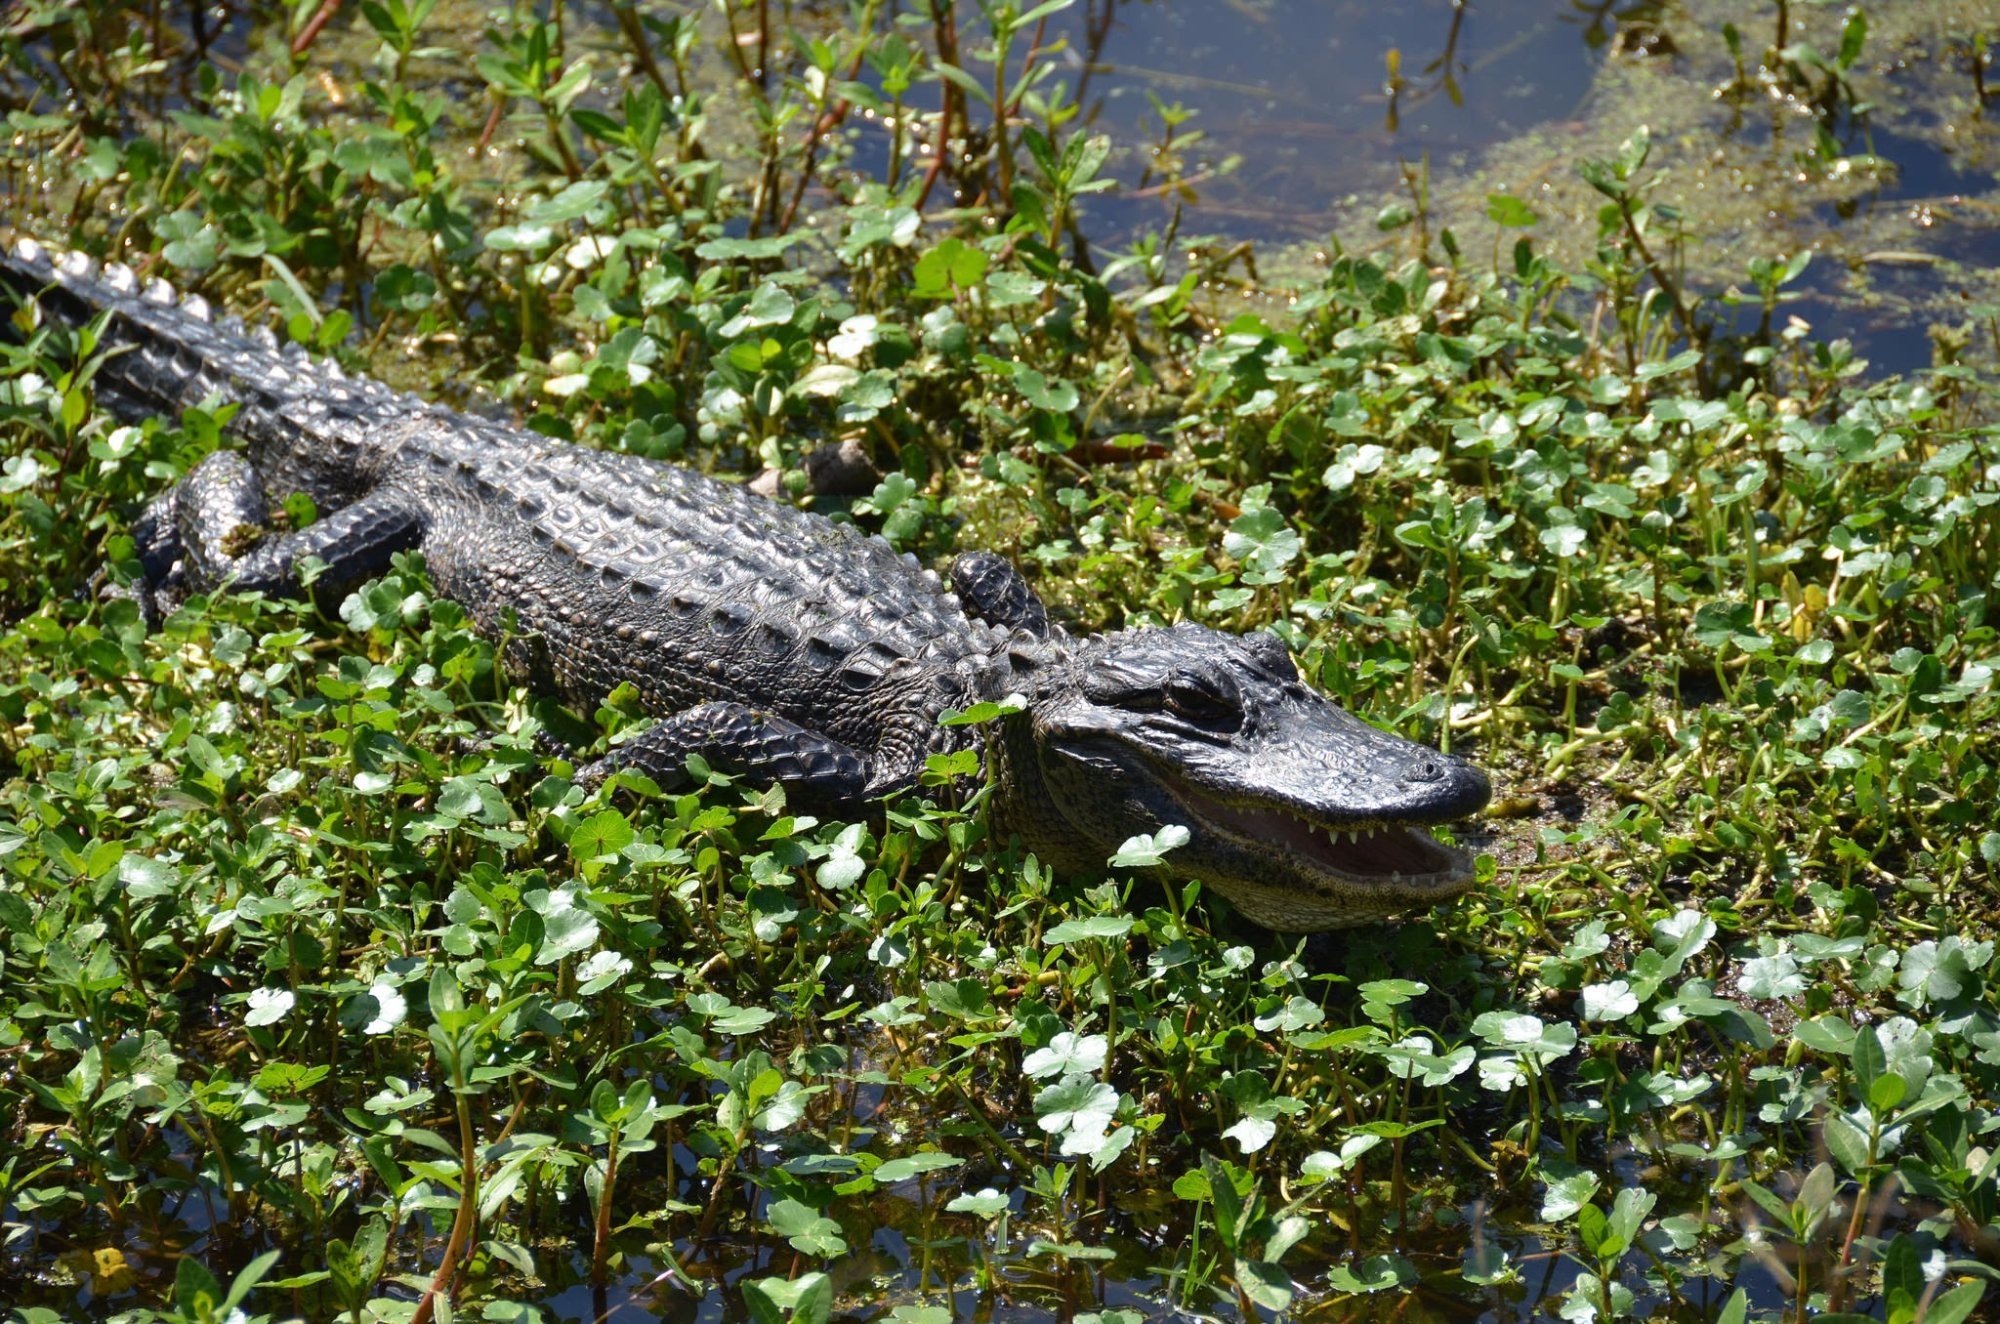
point(303, 42)
point(947, 41)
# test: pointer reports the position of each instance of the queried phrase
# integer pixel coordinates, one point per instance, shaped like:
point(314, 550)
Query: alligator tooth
point(197, 307)
point(158, 291)
point(28, 250)
point(119, 278)
point(263, 337)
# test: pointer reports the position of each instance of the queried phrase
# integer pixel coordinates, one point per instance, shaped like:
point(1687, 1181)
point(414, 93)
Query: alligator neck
point(1023, 804)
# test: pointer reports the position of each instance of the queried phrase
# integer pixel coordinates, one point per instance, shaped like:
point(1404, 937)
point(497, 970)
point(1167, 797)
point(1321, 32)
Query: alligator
point(777, 644)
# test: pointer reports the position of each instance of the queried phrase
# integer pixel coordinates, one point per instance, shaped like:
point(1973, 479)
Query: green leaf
point(1888, 1090)
point(754, 250)
point(566, 932)
point(1853, 36)
point(1265, 1283)
point(1902, 1281)
point(1593, 1231)
point(601, 837)
point(571, 204)
point(914, 1165)
point(1076, 1102)
point(807, 1299)
point(1680, 362)
point(268, 1006)
point(1633, 151)
point(952, 264)
point(1955, 1306)
point(987, 1203)
point(1068, 1054)
point(965, 81)
point(742, 1020)
point(523, 238)
point(1507, 210)
point(196, 1292)
point(1564, 540)
point(770, 305)
point(1149, 849)
point(986, 710)
point(940, 769)
point(1376, 1273)
point(1057, 396)
point(1769, 1201)
point(844, 866)
point(447, 1000)
point(1847, 1142)
point(1262, 540)
point(806, 1228)
point(1628, 1215)
point(1868, 1059)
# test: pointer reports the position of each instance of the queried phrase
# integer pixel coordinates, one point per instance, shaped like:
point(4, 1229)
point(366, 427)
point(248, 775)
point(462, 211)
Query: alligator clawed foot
point(154, 604)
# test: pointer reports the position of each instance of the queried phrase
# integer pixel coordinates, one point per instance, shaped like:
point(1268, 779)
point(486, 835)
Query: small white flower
point(1068, 1054)
point(269, 1005)
point(855, 336)
point(589, 251)
point(390, 1008)
point(600, 964)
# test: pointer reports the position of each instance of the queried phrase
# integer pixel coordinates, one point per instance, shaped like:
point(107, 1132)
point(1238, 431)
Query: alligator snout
point(1440, 788)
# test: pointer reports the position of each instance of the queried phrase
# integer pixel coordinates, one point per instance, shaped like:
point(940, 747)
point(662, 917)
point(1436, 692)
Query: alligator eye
point(1119, 690)
point(1207, 700)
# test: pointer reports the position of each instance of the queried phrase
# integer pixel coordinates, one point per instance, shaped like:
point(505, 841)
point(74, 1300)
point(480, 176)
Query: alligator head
point(1301, 814)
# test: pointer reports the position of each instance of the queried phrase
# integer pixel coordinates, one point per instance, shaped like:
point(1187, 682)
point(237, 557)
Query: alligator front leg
point(162, 581)
point(736, 738)
point(220, 522)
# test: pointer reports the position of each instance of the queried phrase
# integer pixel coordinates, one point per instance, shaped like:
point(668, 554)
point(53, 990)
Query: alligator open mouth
point(1398, 856)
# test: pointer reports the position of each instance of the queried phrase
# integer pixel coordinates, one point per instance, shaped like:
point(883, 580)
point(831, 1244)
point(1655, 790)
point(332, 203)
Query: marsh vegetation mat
point(1603, 392)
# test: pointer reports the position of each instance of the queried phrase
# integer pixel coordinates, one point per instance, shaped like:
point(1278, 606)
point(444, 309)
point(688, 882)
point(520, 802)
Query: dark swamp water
point(1313, 115)
point(1321, 113)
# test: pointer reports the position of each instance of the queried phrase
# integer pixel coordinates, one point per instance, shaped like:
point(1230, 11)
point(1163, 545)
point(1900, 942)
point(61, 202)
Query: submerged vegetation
point(324, 994)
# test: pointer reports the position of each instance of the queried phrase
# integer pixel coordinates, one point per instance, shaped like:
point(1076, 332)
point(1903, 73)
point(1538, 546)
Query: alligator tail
point(170, 351)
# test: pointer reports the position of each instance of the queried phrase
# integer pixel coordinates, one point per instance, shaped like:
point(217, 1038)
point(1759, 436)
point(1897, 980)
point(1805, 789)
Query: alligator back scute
point(729, 596)
point(594, 568)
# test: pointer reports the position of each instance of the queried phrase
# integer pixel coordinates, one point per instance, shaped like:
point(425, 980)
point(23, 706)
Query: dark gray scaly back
point(596, 567)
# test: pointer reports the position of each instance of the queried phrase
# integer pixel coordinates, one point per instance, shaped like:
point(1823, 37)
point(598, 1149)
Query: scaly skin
point(770, 641)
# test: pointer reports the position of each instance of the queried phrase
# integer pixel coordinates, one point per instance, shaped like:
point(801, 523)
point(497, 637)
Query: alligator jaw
point(1402, 858)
